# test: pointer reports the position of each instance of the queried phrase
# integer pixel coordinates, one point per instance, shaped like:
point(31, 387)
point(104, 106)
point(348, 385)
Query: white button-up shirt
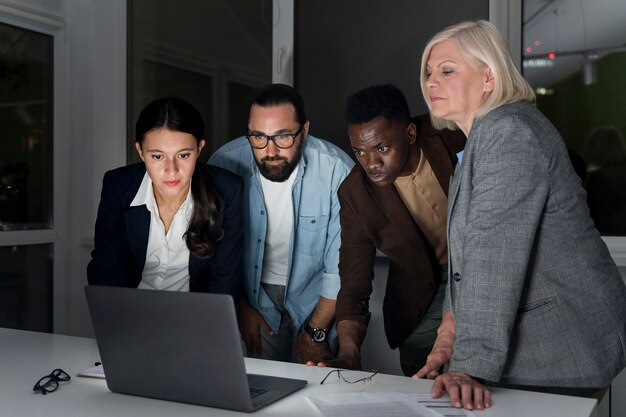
point(167, 255)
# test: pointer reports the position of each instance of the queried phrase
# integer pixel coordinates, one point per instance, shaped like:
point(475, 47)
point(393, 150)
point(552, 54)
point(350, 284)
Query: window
point(214, 54)
point(25, 120)
point(26, 174)
point(574, 57)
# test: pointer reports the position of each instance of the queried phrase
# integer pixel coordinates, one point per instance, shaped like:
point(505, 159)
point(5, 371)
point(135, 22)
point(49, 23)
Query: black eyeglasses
point(50, 383)
point(364, 380)
point(281, 140)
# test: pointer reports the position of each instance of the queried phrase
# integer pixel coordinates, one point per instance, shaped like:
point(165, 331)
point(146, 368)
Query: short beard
point(279, 173)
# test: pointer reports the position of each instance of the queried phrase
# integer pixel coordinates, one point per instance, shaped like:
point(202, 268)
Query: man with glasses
point(291, 230)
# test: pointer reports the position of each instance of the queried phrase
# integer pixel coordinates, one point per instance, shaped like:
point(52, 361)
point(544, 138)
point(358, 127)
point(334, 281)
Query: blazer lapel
point(437, 155)
point(444, 165)
point(194, 264)
point(453, 190)
point(137, 221)
point(393, 207)
point(455, 185)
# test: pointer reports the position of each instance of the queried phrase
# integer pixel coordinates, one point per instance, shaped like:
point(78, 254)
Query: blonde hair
point(482, 45)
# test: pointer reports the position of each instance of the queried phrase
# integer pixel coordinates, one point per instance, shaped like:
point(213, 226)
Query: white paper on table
point(94, 372)
point(371, 404)
point(441, 405)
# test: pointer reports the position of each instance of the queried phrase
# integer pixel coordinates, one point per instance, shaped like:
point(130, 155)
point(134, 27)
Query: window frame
point(53, 26)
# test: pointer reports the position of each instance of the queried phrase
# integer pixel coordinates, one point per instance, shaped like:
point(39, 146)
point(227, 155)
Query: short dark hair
point(385, 101)
point(277, 94)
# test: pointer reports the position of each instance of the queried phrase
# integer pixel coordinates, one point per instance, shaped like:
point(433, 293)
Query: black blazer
point(121, 235)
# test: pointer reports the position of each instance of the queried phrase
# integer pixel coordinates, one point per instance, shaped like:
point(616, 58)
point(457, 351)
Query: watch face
point(319, 335)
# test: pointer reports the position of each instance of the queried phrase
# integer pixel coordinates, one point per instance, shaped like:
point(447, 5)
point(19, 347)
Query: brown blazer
point(374, 217)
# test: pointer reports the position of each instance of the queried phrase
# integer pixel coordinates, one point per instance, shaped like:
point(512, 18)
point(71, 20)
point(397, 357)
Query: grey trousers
point(281, 345)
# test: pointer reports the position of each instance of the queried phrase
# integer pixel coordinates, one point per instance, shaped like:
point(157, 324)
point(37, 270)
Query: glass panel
point(240, 96)
point(159, 80)
point(575, 58)
point(26, 287)
point(344, 46)
point(210, 53)
point(25, 129)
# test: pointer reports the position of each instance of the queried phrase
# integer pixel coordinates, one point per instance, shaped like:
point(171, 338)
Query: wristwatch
point(318, 335)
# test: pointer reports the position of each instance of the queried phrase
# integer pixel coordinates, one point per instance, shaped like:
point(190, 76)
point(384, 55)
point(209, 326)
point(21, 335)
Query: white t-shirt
point(279, 209)
point(167, 255)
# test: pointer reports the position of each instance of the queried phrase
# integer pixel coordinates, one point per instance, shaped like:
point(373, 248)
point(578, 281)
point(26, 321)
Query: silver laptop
point(177, 346)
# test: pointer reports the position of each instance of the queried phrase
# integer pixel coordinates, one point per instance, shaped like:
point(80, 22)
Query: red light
point(529, 49)
point(537, 43)
point(551, 55)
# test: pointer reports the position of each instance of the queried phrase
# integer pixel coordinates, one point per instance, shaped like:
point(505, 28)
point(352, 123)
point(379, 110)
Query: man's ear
point(305, 129)
point(139, 151)
point(411, 131)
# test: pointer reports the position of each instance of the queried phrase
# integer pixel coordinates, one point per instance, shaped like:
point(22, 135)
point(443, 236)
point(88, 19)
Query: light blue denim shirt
point(313, 268)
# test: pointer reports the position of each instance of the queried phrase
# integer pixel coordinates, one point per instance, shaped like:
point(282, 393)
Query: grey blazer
point(536, 298)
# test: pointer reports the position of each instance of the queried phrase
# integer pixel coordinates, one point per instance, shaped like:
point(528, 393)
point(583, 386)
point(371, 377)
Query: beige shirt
point(423, 197)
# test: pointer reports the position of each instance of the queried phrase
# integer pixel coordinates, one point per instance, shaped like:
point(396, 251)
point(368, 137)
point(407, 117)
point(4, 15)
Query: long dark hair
point(179, 116)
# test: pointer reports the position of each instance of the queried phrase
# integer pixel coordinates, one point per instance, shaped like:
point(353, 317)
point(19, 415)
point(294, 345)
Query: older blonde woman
point(534, 299)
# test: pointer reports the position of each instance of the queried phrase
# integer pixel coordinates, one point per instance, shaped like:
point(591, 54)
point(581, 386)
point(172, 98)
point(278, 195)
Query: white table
point(27, 356)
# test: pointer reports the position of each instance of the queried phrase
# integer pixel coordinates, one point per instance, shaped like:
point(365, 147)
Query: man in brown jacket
point(394, 200)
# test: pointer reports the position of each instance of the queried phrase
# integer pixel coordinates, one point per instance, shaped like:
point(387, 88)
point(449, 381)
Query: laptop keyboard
point(255, 392)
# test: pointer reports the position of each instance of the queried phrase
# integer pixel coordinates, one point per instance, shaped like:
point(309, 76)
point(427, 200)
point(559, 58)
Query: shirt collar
point(459, 156)
point(145, 196)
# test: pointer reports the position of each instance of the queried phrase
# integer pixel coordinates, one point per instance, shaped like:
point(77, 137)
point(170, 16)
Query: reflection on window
point(25, 129)
point(210, 53)
point(160, 80)
point(26, 287)
point(574, 55)
point(239, 98)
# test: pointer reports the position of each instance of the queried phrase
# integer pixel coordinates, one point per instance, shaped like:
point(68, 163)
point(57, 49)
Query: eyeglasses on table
point(341, 375)
point(50, 382)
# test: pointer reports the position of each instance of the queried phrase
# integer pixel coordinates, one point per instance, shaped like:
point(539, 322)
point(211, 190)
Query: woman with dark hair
point(169, 222)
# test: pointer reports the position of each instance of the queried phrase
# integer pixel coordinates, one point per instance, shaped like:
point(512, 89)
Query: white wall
point(97, 101)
